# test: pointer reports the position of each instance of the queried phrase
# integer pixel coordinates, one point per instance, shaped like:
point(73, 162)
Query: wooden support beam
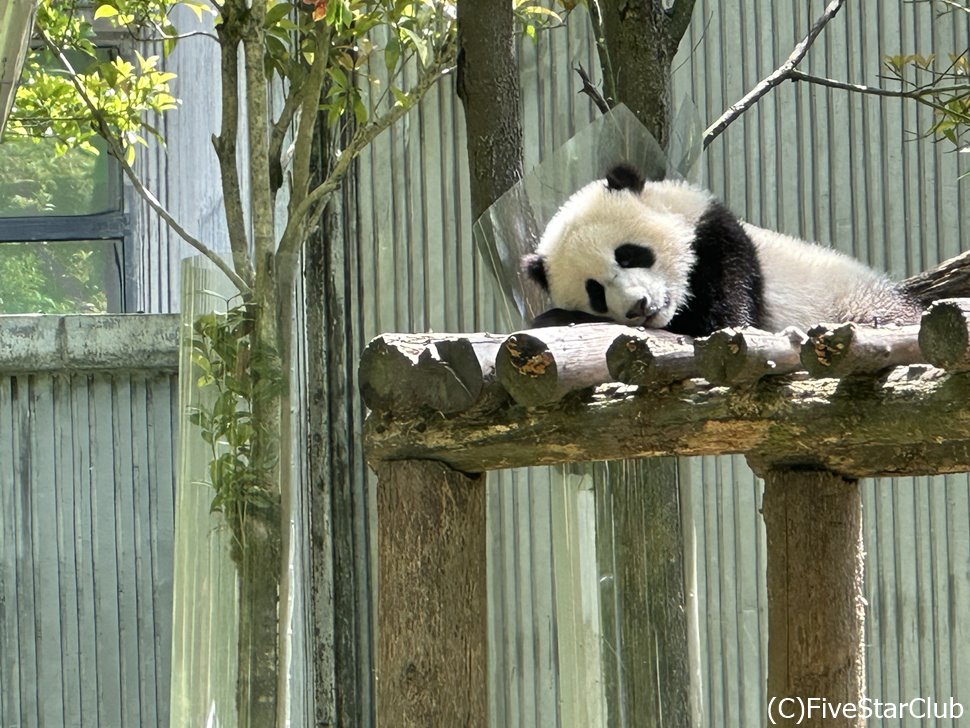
point(431, 604)
point(912, 420)
point(816, 607)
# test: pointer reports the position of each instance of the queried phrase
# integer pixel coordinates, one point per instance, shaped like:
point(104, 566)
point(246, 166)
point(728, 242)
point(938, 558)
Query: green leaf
point(392, 54)
point(277, 13)
point(105, 11)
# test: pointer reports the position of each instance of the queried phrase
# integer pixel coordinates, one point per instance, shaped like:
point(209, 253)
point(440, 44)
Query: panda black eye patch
point(631, 255)
point(597, 296)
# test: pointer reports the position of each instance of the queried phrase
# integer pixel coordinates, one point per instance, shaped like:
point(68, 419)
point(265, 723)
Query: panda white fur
point(668, 255)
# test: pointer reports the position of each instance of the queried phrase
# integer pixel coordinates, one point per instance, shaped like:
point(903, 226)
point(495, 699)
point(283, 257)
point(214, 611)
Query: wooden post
point(431, 603)
point(816, 609)
point(654, 677)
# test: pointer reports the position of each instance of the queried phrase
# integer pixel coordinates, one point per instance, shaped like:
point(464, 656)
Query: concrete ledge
point(36, 343)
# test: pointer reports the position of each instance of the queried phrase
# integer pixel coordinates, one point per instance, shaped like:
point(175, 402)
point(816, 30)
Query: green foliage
point(945, 88)
point(369, 43)
point(35, 182)
point(67, 80)
point(943, 85)
point(234, 375)
point(533, 18)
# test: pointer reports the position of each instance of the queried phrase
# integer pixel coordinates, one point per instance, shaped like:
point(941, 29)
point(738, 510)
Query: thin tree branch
point(782, 73)
point(258, 136)
point(118, 153)
point(312, 89)
point(678, 20)
point(278, 135)
point(225, 144)
point(590, 90)
point(922, 94)
point(917, 94)
point(294, 234)
point(606, 65)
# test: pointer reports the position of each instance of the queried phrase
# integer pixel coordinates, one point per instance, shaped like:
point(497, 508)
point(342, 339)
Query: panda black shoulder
point(725, 284)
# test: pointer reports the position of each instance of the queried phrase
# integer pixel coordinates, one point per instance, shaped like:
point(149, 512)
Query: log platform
point(813, 412)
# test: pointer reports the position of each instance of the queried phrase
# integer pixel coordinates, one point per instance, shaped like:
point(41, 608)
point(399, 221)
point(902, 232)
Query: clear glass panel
point(83, 276)
point(512, 225)
point(234, 635)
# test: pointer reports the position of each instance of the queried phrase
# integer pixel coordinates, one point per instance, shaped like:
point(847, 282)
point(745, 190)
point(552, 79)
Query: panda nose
point(638, 310)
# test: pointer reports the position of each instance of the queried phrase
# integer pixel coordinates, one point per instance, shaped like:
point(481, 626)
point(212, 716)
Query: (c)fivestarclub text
point(802, 709)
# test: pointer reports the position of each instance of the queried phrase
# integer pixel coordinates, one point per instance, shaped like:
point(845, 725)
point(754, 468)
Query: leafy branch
point(230, 363)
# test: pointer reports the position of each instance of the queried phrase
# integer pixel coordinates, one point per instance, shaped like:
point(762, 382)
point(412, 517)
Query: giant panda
point(667, 255)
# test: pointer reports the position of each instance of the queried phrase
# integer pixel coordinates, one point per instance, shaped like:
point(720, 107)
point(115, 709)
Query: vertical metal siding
point(85, 563)
point(86, 506)
point(846, 170)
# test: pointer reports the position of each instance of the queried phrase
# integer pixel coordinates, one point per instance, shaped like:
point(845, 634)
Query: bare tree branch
point(264, 241)
point(924, 95)
point(589, 88)
point(278, 135)
point(118, 153)
point(918, 93)
point(311, 91)
point(609, 79)
point(225, 145)
point(782, 73)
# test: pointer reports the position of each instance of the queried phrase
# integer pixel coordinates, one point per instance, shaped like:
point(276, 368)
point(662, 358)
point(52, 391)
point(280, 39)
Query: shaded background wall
point(812, 162)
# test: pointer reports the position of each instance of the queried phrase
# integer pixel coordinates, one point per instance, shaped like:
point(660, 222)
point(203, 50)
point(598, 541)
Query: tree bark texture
point(944, 335)
point(654, 682)
point(816, 608)
point(433, 643)
point(639, 41)
point(488, 85)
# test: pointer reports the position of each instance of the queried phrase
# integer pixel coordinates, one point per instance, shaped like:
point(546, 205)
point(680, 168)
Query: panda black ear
point(625, 176)
point(535, 267)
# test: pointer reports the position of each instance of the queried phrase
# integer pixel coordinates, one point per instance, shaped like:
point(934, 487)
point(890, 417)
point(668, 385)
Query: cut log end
point(527, 368)
point(944, 336)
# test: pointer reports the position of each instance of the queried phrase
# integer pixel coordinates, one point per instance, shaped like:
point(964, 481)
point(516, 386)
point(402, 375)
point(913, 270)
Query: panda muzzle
point(643, 310)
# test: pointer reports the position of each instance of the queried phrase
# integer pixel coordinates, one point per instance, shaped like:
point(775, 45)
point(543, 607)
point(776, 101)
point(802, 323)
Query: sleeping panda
point(667, 255)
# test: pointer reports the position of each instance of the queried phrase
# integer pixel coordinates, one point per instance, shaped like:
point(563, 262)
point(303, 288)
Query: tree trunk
point(637, 41)
point(433, 641)
point(258, 534)
point(488, 85)
point(816, 608)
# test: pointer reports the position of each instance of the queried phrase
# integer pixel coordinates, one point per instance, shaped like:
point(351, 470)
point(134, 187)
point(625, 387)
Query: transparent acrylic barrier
point(511, 227)
point(236, 566)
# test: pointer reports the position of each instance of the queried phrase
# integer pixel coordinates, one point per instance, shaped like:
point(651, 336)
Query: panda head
point(620, 248)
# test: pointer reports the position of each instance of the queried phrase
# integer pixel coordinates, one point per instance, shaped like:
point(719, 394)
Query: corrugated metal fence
point(87, 451)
